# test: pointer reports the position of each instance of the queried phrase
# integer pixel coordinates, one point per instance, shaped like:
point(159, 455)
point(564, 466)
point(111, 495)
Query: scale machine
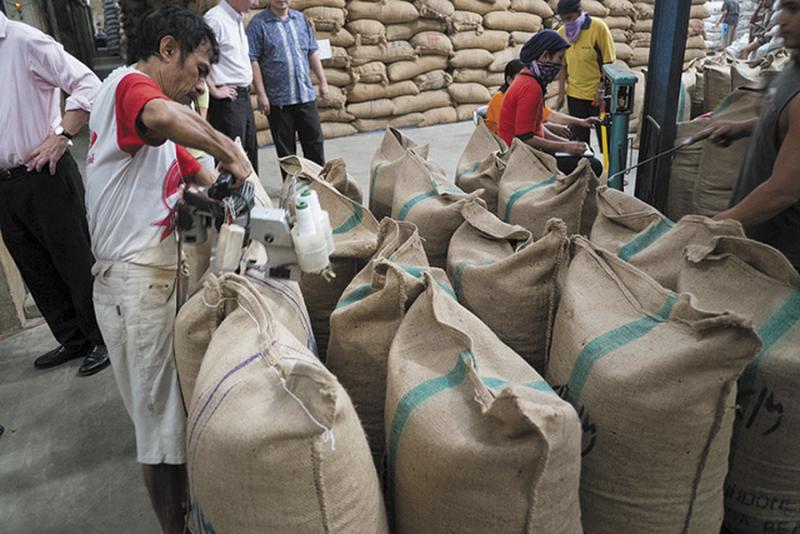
point(620, 84)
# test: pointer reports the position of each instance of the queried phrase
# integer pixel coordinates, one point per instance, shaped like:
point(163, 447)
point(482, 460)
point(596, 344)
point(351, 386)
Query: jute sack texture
point(508, 280)
point(274, 443)
point(202, 314)
point(424, 197)
point(355, 235)
point(756, 281)
point(394, 146)
point(477, 441)
point(642, 236)
point(654, 379)
point(482, 164)
point(532, 190)
point(366, 320)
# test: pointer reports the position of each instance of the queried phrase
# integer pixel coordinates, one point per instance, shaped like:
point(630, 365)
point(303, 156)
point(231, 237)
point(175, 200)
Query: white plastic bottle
point(310, 244)
point(321, 218)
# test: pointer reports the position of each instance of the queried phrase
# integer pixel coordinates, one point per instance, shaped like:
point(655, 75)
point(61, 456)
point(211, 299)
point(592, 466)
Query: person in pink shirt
point(42, 215)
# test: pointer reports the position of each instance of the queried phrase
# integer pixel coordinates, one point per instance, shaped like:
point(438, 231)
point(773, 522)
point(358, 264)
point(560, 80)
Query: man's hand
point(324, 90)
point(221, 92)
point(561, 130)
point(726, 132)
point(263, 104)
point(240, 167)
point(576, 148)
point(48, 153)
point(589, 122)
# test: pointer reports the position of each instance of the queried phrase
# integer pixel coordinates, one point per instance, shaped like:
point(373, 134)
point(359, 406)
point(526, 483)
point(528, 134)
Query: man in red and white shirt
point(136, 168)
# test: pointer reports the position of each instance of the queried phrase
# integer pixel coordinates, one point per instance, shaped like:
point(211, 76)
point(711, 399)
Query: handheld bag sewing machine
point(292, 247)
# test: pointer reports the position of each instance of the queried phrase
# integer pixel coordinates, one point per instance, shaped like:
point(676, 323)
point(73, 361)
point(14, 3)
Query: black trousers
point(583, 109)
point(43, 222)
point(235, 119)
point(567, 164)
point(297, 121)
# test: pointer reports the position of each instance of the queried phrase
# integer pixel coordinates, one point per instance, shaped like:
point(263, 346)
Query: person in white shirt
point(42, 217)
point(135, 172)
point(229, 109)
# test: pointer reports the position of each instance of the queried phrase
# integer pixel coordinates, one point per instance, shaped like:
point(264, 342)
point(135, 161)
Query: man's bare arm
point(782, 188)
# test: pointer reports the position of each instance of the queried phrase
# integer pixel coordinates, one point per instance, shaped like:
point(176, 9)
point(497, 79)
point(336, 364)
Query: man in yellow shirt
point(591, 47)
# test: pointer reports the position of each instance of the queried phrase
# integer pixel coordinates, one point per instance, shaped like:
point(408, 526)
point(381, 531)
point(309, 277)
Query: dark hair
point(513, 68)
point(189, 30)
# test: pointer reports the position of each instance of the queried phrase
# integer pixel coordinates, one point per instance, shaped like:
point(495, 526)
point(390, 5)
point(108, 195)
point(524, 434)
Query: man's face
point(243, 6)
point(185, 77)
point(570, 17)
point(279, 5)
point(789, 22)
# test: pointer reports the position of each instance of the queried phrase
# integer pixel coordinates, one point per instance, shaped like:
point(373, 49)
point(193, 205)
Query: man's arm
point(576, 148)
point(319, 72)
point(726, 132)
point(562, 88)
point(782, 188)
point(261, 92)
point(178, 123)
point(562, 118)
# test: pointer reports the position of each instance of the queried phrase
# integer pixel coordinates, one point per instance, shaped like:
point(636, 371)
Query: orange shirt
point(493, 113)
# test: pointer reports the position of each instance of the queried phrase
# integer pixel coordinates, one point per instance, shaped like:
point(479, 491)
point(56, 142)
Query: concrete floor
point(67, 457)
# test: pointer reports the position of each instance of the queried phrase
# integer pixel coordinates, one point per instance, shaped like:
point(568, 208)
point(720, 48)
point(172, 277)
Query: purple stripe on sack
point(205, 423)
point(290, 296)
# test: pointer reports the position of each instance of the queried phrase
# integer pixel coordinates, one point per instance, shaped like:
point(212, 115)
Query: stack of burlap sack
point(517, 349)
point(643, 29)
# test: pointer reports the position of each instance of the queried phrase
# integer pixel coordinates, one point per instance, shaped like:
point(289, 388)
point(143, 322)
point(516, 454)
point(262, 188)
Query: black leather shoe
point(59, 356)
point(95, 361)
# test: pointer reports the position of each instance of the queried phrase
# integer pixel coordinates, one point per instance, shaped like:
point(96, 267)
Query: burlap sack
point(435, 9)
point(424, 197)
point(431, 81)
point(339, 59)
point(471, 58)
point(477, 441)
point(621, 36)
point(537, 7)
point(263, 137)
point(469, 93)
point(366, 320)
point(404, 32)
point(654, 379)
point(388, 11)
point(355, 233)
point(479, 76)
point(624, 52)
point(640, 56)
point(374, 72)
point(259, 389)
point(341, 38)
point(432, 43)
point(500, 59)
point(465, 112)
point(326, 19)
point(491, 40)
point(332, 130)
point(756, 281)
point(334, 115)
point(480, 7)
point(394, 146)
point(620, 8)
point(335, 77)
point(509, 281)
point(420, 103)
point(336, 99)
point(699, 12)
point(642, 236)
point(718, 85)
point(362, 92)
point(371, 109)
point(371, 32)
point(482, 164)
point(465, 21)
point(532, 190)
point(389, 53)
point(511, 22)
point(619, 23)
point(302, 5)
point(405, 70)
point(594, 8)
point(520, 38)
point(441, 115)
point(403, 121)
point(704, 175)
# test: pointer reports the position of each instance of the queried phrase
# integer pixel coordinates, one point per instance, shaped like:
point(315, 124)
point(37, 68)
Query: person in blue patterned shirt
point(283, 51)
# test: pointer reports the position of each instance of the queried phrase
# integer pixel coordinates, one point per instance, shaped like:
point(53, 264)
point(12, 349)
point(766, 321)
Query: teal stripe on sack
point(603, 345)
point(539, 385)
point(353, 221)
point(645, 238)
point(469, 170)
point(374, 177)
point(519, 193)
point(779, 323)
point(359, 293)
point(411, 203)
point(459, 271)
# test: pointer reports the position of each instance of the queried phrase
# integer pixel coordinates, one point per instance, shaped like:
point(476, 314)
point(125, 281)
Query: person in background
point(283, 48)
point(42, 216)
point(729, 20)
point(229, 109)
point(135, 172)
point(522, 115)
point(200, 105)
point(591, 46)
point(766, 198)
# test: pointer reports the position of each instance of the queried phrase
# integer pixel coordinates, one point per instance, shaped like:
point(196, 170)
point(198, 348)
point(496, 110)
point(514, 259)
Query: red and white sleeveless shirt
point(132, 186)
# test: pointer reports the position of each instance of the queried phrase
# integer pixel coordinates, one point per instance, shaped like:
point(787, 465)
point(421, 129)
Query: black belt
point(16, 172)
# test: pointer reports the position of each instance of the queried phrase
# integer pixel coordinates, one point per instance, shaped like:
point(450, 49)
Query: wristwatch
point(59, 130)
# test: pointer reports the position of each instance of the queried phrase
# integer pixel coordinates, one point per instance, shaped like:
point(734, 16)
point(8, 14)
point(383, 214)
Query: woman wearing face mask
point(591, 46)
point(523, 105)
